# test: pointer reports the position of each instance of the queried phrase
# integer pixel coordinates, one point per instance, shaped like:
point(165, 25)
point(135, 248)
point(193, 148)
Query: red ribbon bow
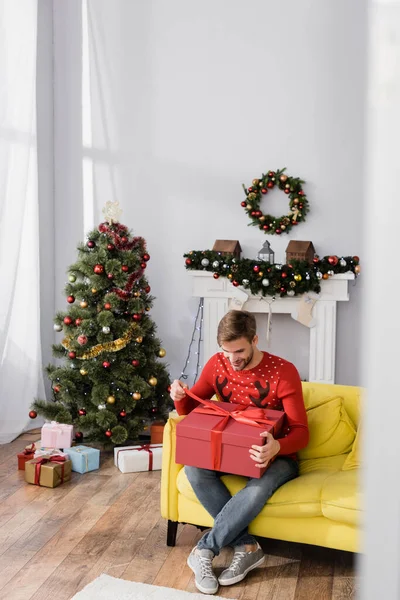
point(254, 417)
point(41, 460)
point(30, 449)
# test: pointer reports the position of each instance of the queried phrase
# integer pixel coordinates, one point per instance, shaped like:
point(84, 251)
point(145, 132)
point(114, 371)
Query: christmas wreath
point(298, 203)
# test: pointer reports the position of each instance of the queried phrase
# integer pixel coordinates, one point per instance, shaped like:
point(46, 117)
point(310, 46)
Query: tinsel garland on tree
point(261, 277)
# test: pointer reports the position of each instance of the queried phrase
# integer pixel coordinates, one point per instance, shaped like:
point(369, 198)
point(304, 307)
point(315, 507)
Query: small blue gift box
point(84, 459)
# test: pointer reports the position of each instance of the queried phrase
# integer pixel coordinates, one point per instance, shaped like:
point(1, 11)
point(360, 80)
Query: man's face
point(239, 352)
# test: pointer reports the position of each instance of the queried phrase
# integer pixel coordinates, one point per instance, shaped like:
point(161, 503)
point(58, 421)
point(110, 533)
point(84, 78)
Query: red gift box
point(27, 454)
point(218, 436)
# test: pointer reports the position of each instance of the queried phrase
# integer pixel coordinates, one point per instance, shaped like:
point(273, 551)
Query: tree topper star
point(112, 212)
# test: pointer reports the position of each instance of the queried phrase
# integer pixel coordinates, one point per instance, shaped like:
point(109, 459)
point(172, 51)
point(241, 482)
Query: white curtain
point(21, 377)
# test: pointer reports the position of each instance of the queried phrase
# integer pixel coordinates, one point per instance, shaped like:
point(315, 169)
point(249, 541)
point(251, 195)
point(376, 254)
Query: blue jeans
point(232, 514)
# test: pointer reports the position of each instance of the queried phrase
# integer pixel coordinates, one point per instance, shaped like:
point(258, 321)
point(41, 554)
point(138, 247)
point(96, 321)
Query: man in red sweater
point(242, 373)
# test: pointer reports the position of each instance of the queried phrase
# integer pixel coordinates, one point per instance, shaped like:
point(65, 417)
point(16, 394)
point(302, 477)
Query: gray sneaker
point(200, 561)
point(242, 563)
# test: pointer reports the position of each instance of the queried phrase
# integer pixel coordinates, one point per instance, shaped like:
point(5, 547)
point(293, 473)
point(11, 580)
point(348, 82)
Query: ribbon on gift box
point(29, 449)
point(38, 462)
point(85, 454)
point(147, 447)
point(254, 417)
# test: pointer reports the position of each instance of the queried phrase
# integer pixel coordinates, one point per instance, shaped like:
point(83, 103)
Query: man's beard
point(245, 361)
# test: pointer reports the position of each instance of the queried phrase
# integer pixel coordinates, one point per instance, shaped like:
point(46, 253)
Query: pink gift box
point(57, 435)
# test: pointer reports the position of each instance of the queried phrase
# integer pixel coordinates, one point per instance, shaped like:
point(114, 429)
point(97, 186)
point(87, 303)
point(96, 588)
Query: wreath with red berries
point(298, 203)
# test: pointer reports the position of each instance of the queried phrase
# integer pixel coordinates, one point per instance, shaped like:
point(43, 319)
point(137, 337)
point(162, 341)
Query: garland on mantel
point(269, 279)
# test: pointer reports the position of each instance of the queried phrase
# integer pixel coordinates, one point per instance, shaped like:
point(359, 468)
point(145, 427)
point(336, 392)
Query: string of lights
point(197, 331)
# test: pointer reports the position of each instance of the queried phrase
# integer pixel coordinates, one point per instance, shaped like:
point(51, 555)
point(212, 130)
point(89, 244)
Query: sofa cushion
point(300, 497)
point(341, 497)
point(331, 429)
point(353, 460)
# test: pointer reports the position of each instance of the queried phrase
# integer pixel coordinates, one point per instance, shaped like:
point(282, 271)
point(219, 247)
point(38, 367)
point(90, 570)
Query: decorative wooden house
point(228, 247)
point(297, 250)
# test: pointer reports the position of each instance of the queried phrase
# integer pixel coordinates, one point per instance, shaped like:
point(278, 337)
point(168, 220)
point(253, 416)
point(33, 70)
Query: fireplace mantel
point(220, 296)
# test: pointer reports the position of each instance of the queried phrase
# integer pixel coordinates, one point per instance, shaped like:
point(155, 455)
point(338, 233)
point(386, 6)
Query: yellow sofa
point(321, 507)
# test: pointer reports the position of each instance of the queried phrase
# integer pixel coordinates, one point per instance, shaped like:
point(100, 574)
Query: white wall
point(189, 101)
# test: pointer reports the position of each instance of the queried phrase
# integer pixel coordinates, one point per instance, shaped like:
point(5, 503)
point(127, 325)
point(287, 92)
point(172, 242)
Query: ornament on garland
point(32, 414)
point(298, 203)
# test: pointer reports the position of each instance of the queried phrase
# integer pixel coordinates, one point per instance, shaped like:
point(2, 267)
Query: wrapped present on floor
point(135, 459)
point(25, 455)
point(84, 459)
point(57, 435)
point(48, 471)
point(219, 435)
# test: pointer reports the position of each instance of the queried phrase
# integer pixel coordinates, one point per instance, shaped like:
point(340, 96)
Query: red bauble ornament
point(188, 261)
point(235, 283)
point(286, 190)
point(72, 355)
point(71, 299)
point(82, 340)
point(125, 268)
point(98, 269)
point(278, 231)
point(146, 257)
point(168, 389)
point(78, 322)
point(333, 260)
point(284, 275)
point(266, 227)
point(78, 436)
point(253, 213)
point(256, 268)
point(56, 389)
point(122, 413)
point(107, 306)
point(216, 275)
point(356, 259)
point(264, 190)
point(147, 289)
point(90, 244)
point(137, 317)
point(110, 276)
point(271, 174)
point(243, 204)
point(108, 433)
point(300, 193)
point(124, 240)
point(143, 265)
point(250, 189)
point(135, 362)
point(154, 410)
point(32, 414)
point(110, 247)
point(283, 289)
point(270, 184)
point(67, 320)
point(316, 259)
point(106, 364)
point(81, 412)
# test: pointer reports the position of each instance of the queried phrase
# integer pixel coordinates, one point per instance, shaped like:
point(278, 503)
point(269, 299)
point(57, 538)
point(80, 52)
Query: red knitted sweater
point(274, 383)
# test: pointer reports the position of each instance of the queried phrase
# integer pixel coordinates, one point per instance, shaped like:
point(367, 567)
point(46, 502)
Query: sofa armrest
point(169, 471)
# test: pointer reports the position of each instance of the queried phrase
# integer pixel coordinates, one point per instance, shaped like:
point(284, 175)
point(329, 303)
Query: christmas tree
point(111, 384)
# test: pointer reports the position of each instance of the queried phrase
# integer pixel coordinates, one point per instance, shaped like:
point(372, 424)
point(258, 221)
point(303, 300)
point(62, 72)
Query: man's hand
point(262, 455)
point(177, 392)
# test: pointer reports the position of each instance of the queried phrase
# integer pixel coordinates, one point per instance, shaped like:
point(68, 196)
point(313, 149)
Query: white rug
point(111, 588)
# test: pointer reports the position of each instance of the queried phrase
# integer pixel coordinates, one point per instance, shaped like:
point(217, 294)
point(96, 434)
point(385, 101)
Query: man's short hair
point(236, 324)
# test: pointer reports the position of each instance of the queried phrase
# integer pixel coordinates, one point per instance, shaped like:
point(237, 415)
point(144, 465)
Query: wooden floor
point(55, 541)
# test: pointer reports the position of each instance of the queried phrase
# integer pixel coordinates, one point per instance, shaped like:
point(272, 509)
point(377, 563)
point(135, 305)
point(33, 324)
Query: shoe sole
point(238, 578)
point(199, 587)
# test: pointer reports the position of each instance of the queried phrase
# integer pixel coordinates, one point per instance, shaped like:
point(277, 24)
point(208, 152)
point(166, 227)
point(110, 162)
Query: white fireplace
point(220, 296)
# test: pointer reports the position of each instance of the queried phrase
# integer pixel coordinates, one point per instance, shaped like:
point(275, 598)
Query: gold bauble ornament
point(139, 339)
point(262, 218)
point(357, 269)
point(162, 352)
point(230, 276)
point(147, 308)
point(260, 273)
point(292, 284)
point(136, 294)
point(153, 381)
point(283, 227)
point(283, 178)
point(111, 400)
point(83, 371)
point(136, 396)
point(83, 304)
point(296, 201)
point(298, 277)
point(94, 291)
point(256, 181)
point(248, 206)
